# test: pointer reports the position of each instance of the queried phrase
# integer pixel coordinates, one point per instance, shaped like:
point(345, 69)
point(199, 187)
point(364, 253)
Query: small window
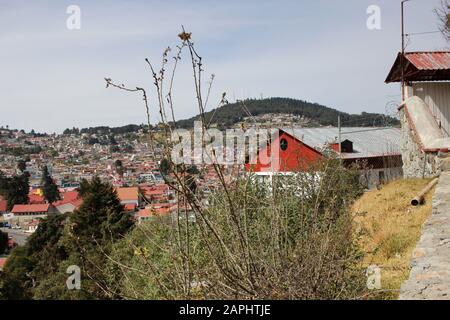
point(283, 144)
point(346, 146)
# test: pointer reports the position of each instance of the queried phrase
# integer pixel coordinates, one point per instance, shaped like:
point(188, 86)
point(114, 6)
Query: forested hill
point(232, 113)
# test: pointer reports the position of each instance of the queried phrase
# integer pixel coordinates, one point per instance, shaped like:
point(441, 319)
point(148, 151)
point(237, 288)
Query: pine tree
point(94, 227)
point(119, 167)
point(165, 167)
point(22, 165)
point(49, 187)
point(101, 215)
point(3, 242)
point(15, 189)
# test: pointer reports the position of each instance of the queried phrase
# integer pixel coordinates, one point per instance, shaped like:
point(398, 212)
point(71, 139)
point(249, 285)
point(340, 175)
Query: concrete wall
point(416, 163)
point(437, 96)
point(66, 208)
point(375, 177)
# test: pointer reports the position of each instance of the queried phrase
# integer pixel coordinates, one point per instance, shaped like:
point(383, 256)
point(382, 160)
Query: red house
point(33, 210)
point(296, 149)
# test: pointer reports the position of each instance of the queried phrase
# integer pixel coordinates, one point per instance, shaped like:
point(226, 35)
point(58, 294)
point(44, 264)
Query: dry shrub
point(288, 240)
point(291, 239)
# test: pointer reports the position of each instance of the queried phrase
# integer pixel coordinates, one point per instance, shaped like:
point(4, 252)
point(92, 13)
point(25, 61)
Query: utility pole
point(402, 57)
point(339, 136)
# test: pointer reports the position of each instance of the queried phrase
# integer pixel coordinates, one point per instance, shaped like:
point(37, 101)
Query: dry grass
point(388, 228)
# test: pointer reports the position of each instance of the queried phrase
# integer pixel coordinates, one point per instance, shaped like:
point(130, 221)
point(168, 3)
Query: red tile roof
point(68, 197)
point(144, 213)
point(125, 194)
point(3, 205)
point(149, 212)
point(38, 208)
point(77, 203)
point(36, 199)
point(130, 207)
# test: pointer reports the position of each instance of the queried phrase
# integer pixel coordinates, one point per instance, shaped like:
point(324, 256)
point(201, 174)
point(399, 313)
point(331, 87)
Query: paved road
point(19, 236)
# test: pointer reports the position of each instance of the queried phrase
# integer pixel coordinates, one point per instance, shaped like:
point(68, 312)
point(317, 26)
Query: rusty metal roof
point(429, 60)
point(421, 66)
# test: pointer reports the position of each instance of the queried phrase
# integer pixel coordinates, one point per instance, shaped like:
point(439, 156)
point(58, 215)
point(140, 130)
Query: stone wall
point(429, 278)
point(416, 163)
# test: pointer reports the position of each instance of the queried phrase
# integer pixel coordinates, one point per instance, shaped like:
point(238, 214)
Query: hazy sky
point(51, 77)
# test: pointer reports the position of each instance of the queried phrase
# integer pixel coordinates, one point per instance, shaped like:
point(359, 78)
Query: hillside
point(298, 112)
point(317, 114)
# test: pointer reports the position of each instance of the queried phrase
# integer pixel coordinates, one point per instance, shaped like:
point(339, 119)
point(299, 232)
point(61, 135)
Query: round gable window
point(283, 144)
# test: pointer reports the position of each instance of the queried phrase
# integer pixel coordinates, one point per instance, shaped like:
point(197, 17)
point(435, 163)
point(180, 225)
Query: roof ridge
point(440, 51)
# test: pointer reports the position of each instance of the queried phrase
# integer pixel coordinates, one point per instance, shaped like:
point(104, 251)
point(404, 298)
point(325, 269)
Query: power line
point(420, 33)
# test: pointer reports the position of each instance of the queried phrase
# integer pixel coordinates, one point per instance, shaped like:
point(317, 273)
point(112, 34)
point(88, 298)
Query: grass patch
point(388, 228)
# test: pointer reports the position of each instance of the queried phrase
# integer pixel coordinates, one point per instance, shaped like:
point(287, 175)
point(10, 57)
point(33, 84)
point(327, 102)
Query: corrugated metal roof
point(367, 141)
point(429, 60)
point(421, 66)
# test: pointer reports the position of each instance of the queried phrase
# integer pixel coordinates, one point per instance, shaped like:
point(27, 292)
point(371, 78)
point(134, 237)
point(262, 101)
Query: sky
point(52, 77)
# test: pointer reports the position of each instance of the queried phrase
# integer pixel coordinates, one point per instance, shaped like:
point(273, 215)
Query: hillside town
point(126, 164)
point(274, 198)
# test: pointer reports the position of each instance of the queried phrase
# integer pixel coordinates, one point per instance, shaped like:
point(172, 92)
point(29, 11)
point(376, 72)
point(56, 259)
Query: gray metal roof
point(367, 141)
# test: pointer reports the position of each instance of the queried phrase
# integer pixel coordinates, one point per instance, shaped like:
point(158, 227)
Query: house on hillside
point(33, 211)
point(129, 196)
point(70, 201)
point(376, 150)
point(425, 111)
point(32, 226)
point(36, 196)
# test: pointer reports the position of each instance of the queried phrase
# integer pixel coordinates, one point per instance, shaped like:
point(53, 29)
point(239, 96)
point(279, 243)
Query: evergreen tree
point(15, 190)
point(3, 242)
point(16, 283)
point(94, 227)
point(119, 167)
point(49, 187)
point(101, 215)
point(165, 167)
point(3, 184)
point(21, 165)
